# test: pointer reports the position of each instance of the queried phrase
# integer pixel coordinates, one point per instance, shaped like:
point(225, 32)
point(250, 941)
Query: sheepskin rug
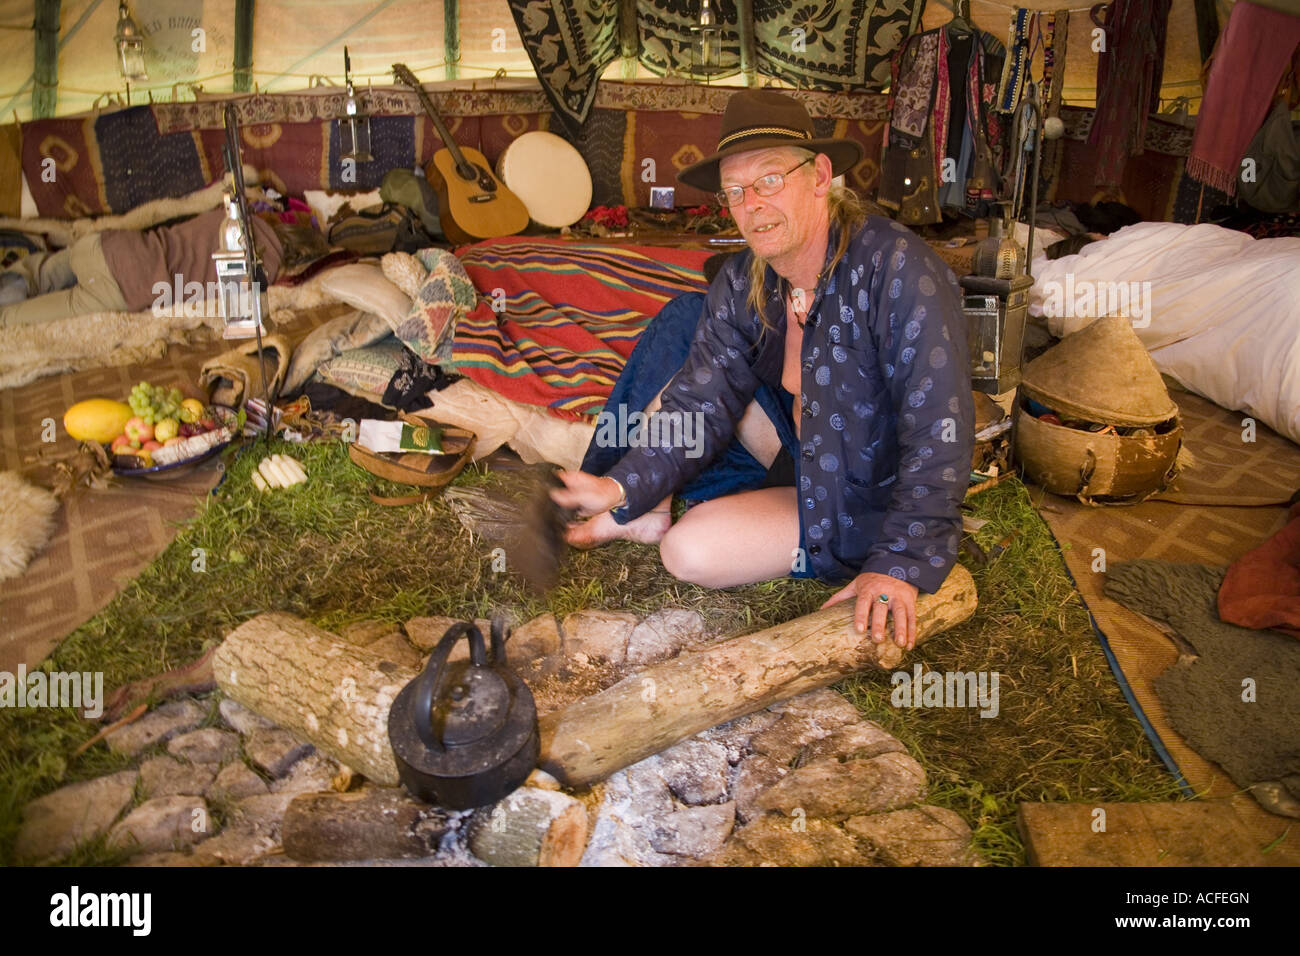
point(26, 522)
point(29, 352)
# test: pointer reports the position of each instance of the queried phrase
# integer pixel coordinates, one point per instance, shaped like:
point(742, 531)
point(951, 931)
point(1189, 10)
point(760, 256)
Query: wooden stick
point(128, 719)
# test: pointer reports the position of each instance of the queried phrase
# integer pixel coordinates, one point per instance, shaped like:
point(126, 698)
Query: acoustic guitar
point(472, 203)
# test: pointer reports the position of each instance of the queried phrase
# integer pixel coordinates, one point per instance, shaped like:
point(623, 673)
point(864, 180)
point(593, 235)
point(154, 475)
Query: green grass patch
point(325, 552)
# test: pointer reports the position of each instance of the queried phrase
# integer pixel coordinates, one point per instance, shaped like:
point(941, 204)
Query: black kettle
point(465, 734)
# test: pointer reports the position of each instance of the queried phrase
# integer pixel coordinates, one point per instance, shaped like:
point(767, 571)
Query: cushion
point(352, 330)
point(324, 204)
point(364, 287)
point(443, 295)
point(364, 372)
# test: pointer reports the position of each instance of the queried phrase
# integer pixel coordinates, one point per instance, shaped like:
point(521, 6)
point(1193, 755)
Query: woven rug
point(1268, 468)
point(102, 539)
point(1234, 694)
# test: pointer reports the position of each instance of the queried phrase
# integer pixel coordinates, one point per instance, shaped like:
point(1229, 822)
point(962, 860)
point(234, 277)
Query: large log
point(655, 708)
point(316, 685)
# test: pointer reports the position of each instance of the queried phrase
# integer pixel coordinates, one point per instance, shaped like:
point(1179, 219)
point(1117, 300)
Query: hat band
point(763, 131)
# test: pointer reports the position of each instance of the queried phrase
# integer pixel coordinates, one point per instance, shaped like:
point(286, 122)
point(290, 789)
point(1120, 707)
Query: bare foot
point(647, 529)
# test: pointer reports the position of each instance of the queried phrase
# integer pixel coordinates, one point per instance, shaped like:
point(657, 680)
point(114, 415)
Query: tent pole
point(451, 36)
point(45, 88)
point(243, 45)
point(627, 40)
point(745, 13)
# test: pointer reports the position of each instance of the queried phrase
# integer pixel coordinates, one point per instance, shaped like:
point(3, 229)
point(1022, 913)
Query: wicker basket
point(1100, 374)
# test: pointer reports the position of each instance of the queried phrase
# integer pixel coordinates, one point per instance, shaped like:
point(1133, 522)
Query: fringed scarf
point(1252, 56)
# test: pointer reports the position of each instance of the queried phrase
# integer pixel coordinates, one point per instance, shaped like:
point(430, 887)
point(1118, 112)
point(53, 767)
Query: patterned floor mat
point(1227, 468)
point(103, 538)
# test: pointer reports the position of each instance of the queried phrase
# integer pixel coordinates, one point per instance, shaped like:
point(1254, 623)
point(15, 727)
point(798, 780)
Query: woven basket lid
point(1102, 373)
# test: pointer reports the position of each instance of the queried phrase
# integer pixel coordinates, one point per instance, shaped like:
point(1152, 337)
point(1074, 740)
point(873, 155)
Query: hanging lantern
point(354, 127)
point(706, 47)
point(130, 47)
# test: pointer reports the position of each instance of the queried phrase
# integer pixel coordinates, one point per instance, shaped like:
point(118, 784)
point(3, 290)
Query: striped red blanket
point(557, 320)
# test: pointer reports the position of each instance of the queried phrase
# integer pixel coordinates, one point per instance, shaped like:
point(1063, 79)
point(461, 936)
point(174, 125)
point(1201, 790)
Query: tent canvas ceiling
point(295, 42)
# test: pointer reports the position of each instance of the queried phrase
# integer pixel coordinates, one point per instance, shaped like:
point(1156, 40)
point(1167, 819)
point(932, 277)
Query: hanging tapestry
point(569, 44)
point(669, 47)
point(830, 45)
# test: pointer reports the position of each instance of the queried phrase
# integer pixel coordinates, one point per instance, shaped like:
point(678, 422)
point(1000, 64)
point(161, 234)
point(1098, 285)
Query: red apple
point(151, 445)
point(121, 443)
point(137, 429)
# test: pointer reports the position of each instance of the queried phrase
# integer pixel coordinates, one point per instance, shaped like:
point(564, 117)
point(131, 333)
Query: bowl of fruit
point(157, 433)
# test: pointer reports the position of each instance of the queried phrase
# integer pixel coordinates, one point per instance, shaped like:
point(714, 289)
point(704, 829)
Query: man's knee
point(684, 558)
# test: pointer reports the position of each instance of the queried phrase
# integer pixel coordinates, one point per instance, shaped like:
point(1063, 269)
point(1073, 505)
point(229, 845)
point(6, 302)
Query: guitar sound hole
point(482, 177)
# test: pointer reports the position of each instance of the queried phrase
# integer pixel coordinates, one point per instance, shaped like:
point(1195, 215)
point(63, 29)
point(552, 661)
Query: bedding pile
point(1218, 310)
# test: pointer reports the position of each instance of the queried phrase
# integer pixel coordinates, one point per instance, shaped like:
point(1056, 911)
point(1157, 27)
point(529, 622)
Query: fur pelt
point(105, 339)
point(63, 232)
point(26, 522)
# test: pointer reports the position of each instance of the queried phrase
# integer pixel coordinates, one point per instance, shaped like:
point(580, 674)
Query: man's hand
point(585, 493)
point(868, 588)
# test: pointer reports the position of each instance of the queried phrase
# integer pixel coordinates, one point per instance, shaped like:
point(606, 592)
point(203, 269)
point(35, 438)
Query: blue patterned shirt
point(886, 434)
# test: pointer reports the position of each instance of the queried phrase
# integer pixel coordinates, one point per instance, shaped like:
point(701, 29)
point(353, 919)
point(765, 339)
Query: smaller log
point(377, 823)
point(531, 827)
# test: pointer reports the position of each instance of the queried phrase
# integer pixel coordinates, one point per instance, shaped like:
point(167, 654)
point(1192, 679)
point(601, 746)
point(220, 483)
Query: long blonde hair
point(848, 211)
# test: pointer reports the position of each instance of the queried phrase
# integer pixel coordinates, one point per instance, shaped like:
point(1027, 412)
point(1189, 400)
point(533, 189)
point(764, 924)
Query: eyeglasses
point(768, 185)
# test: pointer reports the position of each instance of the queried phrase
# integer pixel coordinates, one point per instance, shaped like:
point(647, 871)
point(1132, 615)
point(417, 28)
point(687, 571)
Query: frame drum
point(549, 176)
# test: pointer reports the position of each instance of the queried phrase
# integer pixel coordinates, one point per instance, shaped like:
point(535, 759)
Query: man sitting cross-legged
point(855, 316)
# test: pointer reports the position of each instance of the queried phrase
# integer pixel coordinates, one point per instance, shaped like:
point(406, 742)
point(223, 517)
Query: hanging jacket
point(950, 79)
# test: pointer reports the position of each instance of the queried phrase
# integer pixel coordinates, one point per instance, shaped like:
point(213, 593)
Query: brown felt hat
point(765, 119)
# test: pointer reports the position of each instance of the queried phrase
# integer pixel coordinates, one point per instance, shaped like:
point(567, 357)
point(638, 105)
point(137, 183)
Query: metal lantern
point(130, 47)
point(354, 127)
point(708, 41)
point(241, 297)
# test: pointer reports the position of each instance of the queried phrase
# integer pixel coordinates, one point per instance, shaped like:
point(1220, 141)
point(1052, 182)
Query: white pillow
point(366, 288)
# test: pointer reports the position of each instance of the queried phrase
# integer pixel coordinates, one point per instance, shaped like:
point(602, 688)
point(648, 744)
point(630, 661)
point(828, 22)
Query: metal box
point(996, 310)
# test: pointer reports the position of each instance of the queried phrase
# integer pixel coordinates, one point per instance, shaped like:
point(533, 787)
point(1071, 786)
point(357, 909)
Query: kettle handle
point(499, 633)
point(426, 688)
